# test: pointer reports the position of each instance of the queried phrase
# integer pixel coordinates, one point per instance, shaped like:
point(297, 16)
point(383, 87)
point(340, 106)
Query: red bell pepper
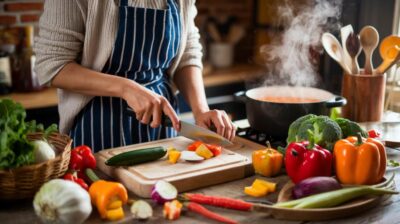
point(304, 160)
point(82, 158)
point(194, 145)
point(73, 178)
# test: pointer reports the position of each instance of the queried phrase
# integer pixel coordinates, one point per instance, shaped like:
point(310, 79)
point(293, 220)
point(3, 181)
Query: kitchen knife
point(193, 131)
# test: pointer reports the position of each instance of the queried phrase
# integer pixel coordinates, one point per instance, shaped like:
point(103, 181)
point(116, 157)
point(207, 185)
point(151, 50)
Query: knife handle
point(165, 120)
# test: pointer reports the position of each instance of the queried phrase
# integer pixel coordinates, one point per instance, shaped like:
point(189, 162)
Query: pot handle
point(240, 96)
point(337, 101)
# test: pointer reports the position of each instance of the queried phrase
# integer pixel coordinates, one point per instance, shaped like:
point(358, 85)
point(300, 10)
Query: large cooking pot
point(274, 118)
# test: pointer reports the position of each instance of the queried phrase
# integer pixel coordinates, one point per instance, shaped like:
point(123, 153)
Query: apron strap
point(123, 3)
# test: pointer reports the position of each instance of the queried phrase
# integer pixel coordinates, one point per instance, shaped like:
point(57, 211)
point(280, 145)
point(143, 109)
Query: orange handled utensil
point(391, 57)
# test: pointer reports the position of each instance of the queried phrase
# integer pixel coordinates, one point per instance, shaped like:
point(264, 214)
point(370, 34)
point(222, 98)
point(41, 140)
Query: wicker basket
point(24, 182)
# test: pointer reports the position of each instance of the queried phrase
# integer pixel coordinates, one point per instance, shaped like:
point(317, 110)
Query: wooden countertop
point(386, 212)
point(235, 74)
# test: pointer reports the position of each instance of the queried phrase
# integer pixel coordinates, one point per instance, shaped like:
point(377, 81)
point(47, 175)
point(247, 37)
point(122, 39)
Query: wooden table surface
point(386, 212)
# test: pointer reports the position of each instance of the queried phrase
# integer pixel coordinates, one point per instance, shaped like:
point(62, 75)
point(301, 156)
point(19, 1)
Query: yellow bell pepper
point(204, 152)
point(269, 186)
point(260, 188)
point(173, 156)
point(267, 162)
point(115, 214)
point(255, 192)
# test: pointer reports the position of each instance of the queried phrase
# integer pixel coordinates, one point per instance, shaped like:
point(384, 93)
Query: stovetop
point(245, 131)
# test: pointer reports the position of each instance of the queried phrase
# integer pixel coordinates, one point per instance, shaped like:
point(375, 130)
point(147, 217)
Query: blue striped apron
point(147, 41)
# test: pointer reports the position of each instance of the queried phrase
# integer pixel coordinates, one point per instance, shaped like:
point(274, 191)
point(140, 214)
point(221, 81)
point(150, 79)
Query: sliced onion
point(191, 156)
point(163, 192)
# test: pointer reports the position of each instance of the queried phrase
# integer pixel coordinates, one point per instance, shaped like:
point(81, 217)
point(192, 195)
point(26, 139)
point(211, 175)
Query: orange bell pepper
point(267, 162)
point(359, 160)
point(107, 196)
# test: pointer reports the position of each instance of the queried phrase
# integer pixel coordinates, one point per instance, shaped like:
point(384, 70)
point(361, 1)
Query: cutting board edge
point(142, 187)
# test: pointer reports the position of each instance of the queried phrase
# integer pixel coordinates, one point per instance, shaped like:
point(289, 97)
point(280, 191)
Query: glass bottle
point(5, 73)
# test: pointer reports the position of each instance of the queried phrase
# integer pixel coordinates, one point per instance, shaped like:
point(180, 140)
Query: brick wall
point(20, 12)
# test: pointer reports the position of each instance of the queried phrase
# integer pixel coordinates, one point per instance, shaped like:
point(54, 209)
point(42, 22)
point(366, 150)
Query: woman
point(107, 57)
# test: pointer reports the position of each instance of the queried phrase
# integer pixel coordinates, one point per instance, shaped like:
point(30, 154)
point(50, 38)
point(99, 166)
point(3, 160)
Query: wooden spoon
point(369, 38)
point(334, 49)
point(391, 57)
point(344, 33)
point(354, 48)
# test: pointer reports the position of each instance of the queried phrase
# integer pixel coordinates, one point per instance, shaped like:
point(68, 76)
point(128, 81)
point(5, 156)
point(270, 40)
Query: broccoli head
point(294, 127)
point(318, 129)
point(350, 128)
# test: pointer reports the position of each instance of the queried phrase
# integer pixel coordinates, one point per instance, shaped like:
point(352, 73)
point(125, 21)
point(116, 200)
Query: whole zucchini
point(139, 156)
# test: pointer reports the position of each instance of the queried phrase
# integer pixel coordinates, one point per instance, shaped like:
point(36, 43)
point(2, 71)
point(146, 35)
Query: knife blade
point(193, 131)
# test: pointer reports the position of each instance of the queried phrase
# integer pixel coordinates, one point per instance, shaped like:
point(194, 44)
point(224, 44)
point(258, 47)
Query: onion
point(191, 156)
point(315, 185)
point(163, 192)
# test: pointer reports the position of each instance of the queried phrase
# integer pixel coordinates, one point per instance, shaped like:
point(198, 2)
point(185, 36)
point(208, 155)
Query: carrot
point(224, 202)
point(199, 209)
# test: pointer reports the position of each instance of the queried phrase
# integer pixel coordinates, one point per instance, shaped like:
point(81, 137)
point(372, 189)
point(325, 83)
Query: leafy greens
point(15, 149)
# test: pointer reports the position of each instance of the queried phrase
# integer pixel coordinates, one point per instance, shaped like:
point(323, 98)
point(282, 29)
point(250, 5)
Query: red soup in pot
point(288, 99)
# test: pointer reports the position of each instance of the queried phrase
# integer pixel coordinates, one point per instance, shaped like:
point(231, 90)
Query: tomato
point(373, 133)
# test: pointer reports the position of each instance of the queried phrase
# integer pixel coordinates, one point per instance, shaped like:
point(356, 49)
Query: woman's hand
point(219, 119)
point(149, 106)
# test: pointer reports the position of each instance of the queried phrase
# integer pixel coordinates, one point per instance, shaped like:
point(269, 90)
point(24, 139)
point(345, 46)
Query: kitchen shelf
point(235, 74)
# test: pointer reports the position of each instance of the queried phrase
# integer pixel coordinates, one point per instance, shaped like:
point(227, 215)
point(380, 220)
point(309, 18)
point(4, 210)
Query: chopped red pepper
point(215, 149)
point(194, 145)
point(73, 178)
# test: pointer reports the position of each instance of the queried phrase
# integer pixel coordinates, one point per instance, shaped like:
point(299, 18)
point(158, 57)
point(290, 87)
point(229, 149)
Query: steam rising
point(289, 57)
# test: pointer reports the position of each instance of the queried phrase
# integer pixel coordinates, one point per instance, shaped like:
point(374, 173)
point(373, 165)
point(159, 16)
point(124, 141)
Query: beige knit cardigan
point(84, 31)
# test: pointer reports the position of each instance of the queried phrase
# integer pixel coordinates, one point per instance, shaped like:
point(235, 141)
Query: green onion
point(337, 197)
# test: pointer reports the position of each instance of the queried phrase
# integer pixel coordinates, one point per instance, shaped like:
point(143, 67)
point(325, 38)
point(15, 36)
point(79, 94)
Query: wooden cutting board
point(183, 175)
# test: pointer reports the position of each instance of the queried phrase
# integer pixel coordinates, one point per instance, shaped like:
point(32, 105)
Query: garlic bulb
point(62, 201)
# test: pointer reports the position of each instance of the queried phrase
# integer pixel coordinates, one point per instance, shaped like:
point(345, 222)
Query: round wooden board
point(351, 208)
